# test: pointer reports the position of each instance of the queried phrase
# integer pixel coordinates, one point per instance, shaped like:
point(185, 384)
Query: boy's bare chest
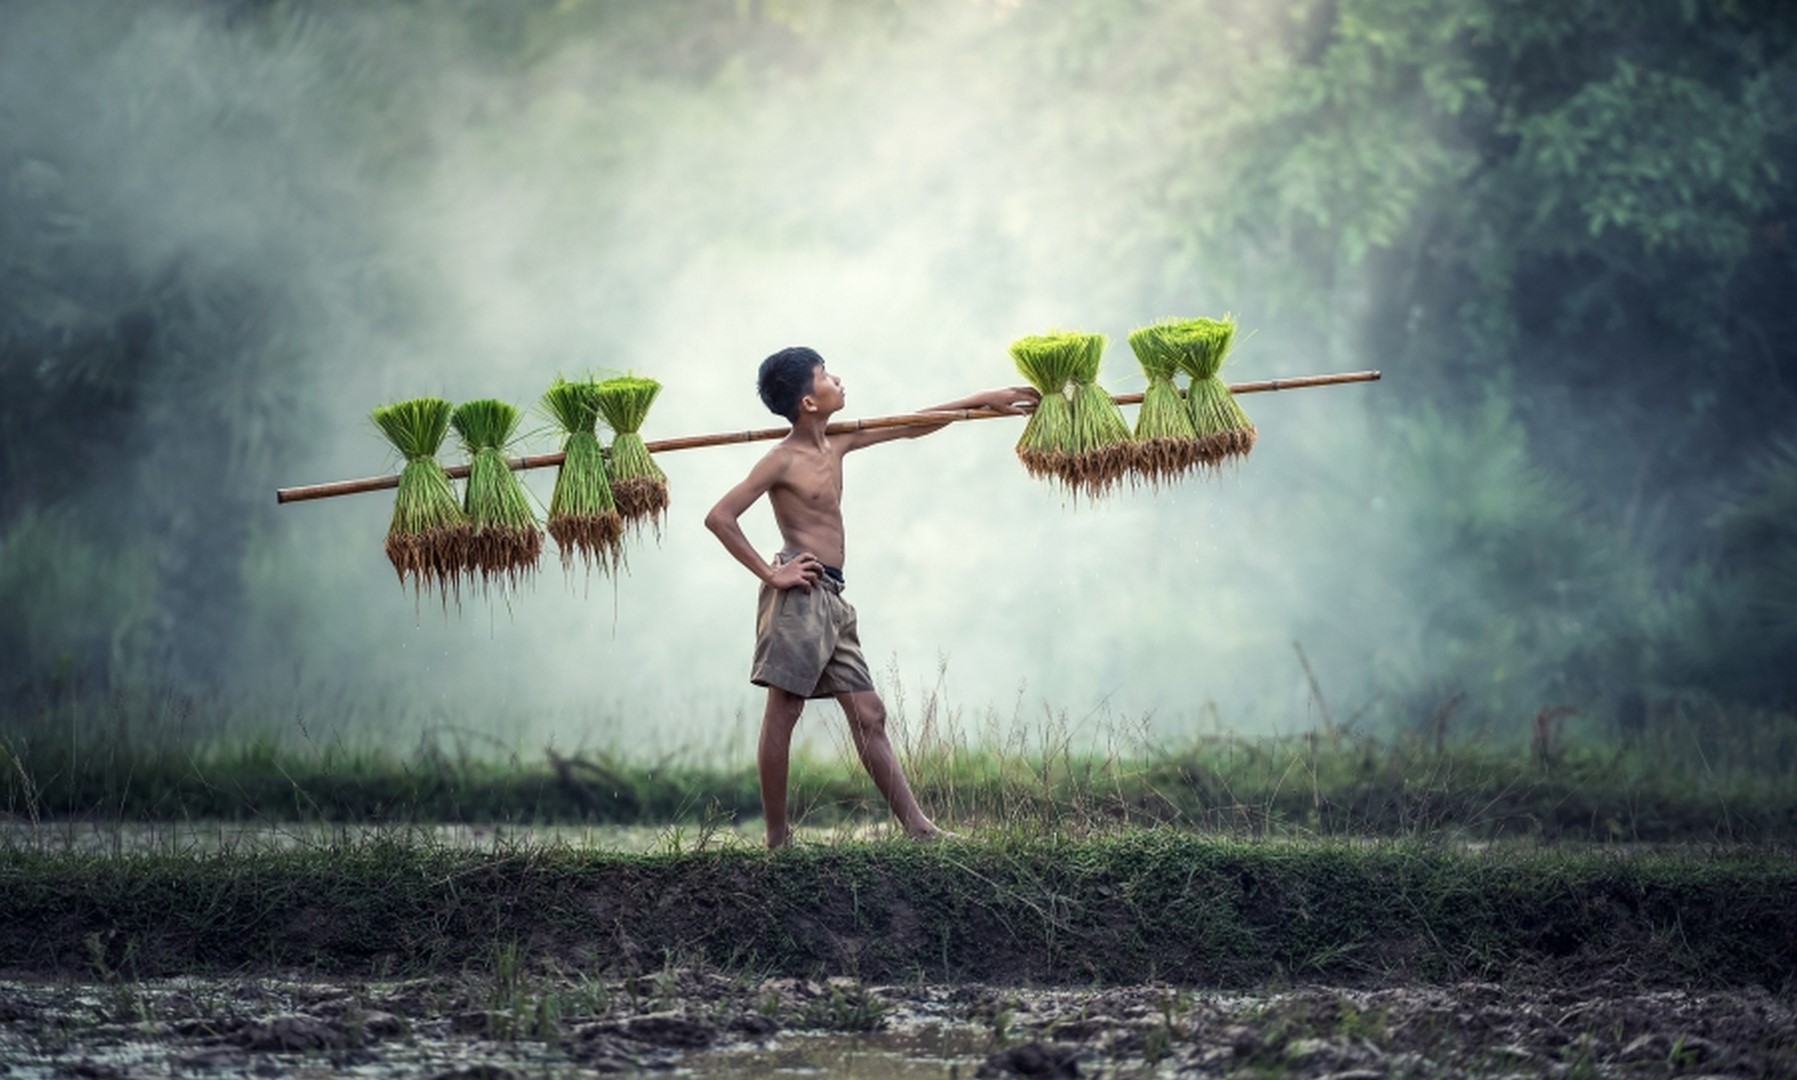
point(816, 481)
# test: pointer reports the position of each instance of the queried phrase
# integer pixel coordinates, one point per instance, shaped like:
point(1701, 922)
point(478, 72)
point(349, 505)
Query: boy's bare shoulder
point(773, 463)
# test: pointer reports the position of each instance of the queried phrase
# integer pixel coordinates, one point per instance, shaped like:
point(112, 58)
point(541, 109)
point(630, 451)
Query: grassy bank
point(1144, 905)
point(1300, 785)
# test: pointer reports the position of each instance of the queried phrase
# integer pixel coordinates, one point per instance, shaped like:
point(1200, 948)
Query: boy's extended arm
point(722, 521)
point(1012, 400)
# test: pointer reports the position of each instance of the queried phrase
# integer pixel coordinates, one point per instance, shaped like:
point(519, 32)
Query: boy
point(805, 634)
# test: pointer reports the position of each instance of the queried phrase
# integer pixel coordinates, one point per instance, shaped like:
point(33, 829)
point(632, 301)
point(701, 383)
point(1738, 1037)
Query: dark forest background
point(1568, 225)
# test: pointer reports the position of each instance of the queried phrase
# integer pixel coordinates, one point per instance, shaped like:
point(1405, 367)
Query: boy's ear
point(807, 404)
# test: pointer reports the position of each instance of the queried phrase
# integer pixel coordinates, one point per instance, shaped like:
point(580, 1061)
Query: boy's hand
point(1011, 400)
point(801, 571)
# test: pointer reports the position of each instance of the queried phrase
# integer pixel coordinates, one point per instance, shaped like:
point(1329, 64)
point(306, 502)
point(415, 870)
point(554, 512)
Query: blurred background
point(228, 229)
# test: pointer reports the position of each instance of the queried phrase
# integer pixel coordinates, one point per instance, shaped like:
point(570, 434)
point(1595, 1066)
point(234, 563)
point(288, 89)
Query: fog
point(417, 218)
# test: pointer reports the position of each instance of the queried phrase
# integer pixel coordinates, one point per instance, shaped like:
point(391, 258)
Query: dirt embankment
point(1143, 907)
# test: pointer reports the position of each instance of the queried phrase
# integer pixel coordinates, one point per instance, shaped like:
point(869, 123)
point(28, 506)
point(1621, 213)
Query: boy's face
point(826, 395)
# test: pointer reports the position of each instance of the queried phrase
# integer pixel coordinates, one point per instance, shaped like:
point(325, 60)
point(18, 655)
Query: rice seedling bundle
point(1223, 429)
point(1166, 444)
point(428, 537)
point(1102, 451)
point(638, 484)
point(505, 541)
point(583, 516)
point(1048, 362)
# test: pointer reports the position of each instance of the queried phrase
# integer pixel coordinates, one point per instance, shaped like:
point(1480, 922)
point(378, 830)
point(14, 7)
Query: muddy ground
point(506, 1022)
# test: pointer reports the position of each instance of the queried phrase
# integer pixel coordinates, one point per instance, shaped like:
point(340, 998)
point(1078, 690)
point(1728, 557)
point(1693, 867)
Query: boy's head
point(793, 374)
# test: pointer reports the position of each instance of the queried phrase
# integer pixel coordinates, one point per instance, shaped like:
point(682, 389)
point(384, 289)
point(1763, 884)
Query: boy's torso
point(807, 501)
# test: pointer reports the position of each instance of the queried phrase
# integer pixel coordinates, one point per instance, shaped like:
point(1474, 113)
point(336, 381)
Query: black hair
point(785, 377)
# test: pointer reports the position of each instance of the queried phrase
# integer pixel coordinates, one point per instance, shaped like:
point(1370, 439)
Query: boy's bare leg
point(867, 727)
point(783, 709)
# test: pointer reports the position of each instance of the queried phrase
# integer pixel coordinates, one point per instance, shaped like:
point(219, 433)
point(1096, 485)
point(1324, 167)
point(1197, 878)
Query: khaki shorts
point(806, 642)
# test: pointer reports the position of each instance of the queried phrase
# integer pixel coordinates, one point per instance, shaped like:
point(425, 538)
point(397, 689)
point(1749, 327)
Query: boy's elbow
point(717, 519)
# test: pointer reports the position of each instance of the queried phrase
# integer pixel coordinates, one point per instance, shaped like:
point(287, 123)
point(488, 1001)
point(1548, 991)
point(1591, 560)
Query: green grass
point(427, 538)
point(638, 482)
point(1665, 784)
point(1148, 904)
point(505, 543)
point(1049, 362)
point(583, 515)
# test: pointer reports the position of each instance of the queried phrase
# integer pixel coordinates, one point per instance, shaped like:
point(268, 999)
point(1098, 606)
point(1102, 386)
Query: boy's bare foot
point(932, 834)
point(776, 841)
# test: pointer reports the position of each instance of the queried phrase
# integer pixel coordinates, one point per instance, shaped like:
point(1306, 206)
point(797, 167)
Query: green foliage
point(504, 541)
point(640, 485)
point(1049, 362)
point(583, 515)
point(50, 562)
point(1101, 453)
point(1166, 443)
point(1582, 209)
point(1148, 905)
point(428, 536)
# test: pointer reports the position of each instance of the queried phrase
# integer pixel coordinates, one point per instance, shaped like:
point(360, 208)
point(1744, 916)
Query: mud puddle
point(511, 1023)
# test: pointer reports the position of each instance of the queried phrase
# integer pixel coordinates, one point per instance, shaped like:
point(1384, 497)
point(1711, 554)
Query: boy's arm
point(1011, 400)
point(722, 521)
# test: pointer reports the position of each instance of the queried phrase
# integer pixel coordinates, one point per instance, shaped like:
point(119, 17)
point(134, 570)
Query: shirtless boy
point(805, 634)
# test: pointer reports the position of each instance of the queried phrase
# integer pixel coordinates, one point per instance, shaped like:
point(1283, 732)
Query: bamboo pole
point(307, 492)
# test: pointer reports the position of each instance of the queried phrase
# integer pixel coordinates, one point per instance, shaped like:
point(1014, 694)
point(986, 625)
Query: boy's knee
point(868, 715)
point(783, 706)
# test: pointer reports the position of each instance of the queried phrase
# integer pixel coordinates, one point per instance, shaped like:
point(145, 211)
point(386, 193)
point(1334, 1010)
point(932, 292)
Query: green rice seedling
point(505, 541)
point(1102, 451)
point(1222, 428)
point(641, 488)
point(583, 515)
point(1166, 444)
point(1048, 362)
point(429, 535)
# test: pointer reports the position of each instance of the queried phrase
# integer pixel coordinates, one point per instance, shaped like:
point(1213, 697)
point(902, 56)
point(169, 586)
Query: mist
point(401, 208)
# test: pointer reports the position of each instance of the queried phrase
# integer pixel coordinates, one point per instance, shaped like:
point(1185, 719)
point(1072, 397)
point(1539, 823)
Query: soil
point(506, 1023)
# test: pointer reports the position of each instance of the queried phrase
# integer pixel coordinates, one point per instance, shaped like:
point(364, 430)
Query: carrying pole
point(307, 492)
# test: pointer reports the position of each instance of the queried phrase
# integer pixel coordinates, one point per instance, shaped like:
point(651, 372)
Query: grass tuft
point(428, 538)
point(1049, 361)
point(639, 484)
point(1166, 443)
point(1223, 429)
point(1102, 453)
point(505, 542)
point(583, 515)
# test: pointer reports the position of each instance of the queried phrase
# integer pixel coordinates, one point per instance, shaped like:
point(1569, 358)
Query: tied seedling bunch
point(583, 515)
point(505, 542)
point(638, 484)
point(1048, 361)
point(1102, 452)
point(1166, 443)
point(1223, 430)
point(429, 536)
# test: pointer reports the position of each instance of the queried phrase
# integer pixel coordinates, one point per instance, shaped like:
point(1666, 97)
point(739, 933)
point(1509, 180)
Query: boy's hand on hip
point(801, 571)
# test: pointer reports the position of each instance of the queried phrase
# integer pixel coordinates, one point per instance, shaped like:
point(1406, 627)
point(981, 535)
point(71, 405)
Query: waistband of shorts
point(831, 573)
